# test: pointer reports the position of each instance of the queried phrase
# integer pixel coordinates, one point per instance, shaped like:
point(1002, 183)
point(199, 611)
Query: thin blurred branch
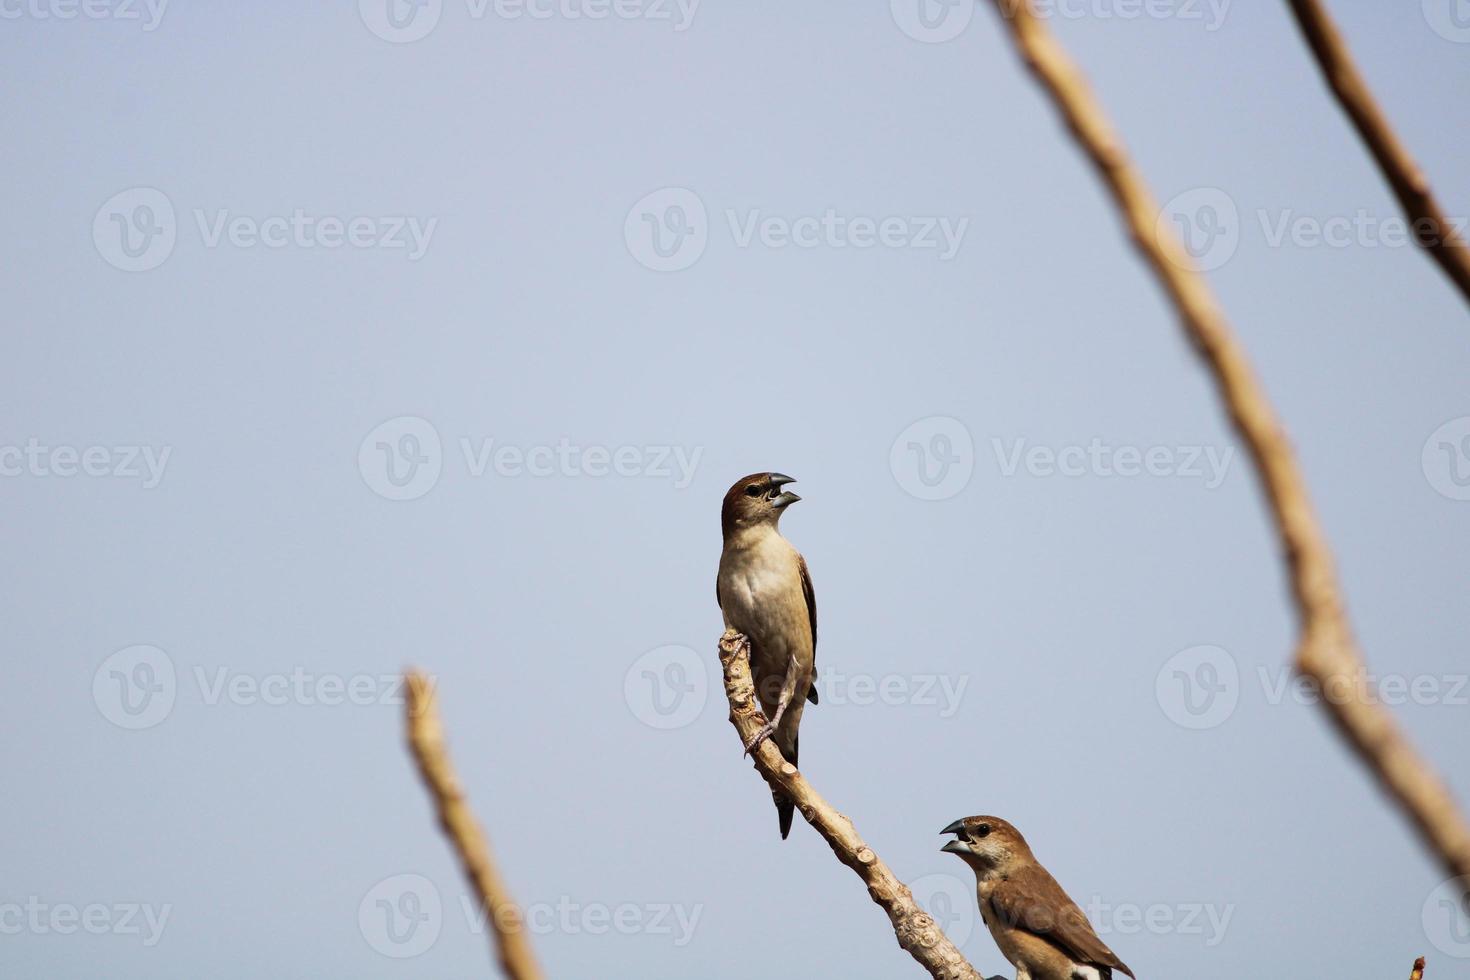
point(1418, 973)
point(426, 739)
point(916, 930)
point(1432, 229)
point(1326, 649)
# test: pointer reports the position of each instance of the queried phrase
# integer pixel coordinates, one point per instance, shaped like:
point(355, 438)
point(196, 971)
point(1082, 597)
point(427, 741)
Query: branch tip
point(426, 743)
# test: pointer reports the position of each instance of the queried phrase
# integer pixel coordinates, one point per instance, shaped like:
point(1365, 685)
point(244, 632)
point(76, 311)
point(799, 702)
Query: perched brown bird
point(1037, 927)
point(764, 591)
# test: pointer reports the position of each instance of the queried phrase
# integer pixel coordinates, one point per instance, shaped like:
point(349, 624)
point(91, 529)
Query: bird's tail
point(785, 809)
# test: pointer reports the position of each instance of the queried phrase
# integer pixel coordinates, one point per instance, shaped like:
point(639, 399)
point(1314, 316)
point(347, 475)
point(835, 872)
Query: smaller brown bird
point(1037, 927)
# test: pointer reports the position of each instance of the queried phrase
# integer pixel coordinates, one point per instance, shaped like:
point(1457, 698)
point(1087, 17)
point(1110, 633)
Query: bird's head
point(986, 844)
point(755, 500)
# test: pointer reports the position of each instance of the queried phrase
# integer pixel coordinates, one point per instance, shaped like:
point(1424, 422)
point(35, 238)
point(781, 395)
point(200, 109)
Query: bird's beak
point(955, 846)
point(779, 480)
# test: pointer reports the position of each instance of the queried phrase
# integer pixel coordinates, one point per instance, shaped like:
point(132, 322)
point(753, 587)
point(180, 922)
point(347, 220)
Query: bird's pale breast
point(761, 596)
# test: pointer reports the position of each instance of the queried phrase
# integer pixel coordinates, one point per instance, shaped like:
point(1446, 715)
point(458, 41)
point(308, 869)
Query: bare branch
point(1433, 231)
point(426, 739)
point(916, 931)
point(1418, 973)
point(1326, 649)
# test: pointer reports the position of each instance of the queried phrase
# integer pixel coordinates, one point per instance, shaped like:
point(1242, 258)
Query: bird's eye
point(752, 491)
point(983, 830)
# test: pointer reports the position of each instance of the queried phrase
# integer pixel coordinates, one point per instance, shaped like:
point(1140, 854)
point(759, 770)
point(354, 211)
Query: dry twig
point(426, 739)
point(916, 931)
point(1326, 650)
point(1432, 229)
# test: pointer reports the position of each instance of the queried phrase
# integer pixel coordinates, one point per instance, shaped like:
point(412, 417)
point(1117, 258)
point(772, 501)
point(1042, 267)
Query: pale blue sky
point(349, 245)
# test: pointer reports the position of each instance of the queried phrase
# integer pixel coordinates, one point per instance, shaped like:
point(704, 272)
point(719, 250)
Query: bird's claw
point(759, 737)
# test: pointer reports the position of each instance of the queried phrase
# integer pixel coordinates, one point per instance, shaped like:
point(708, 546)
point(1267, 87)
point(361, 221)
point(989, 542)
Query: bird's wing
point(811, 615)
point(811, 598)
point(1031, 900)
